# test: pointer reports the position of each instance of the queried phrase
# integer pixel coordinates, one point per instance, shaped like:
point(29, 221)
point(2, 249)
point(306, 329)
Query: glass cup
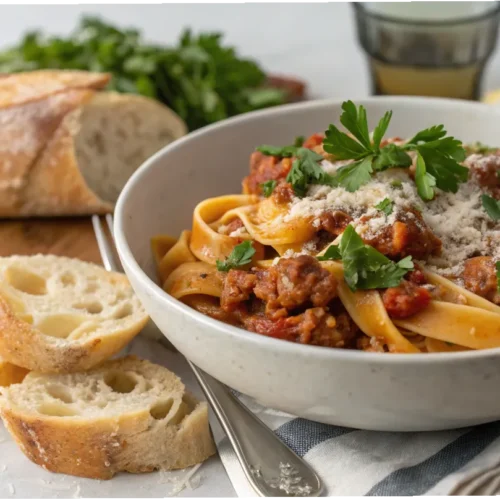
point(435, 49)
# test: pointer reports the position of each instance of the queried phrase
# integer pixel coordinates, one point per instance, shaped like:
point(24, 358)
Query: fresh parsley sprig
point(305, 168)
point(240, 256)
point(438, 156)
point(491, 206)
point(365, 267)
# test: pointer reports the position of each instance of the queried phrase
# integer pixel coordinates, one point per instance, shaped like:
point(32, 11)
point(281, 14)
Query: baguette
point(68, 149)
point(127, 415)
point(62, 315)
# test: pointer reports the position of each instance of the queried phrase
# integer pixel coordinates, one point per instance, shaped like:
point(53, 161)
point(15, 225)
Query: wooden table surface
point(70, 237)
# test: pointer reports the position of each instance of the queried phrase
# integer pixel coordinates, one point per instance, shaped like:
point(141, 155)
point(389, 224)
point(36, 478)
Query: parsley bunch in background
point(200, 79)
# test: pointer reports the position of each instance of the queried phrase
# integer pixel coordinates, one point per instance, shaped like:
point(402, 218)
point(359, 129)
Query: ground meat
point(313, 141)
point(405, 300)
point(294, 283)
point(409, 235)
point(234, 225)
point(283, 193)
point(479, 277)
point(485, 171)
point(334, 222)
point(315, 326)
point(265, 168)
point(371, 344)
point(416, 276)
point(238, 286)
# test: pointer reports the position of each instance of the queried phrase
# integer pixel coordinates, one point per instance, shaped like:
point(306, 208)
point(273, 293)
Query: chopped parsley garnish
point(396, 184)
point(491, 206)
point(497, 265)
point(299, 141)
point(386, 206)
point(305, 170)
point(439, 155)
point(240, 256)
point(365, 267)
point(268, 188)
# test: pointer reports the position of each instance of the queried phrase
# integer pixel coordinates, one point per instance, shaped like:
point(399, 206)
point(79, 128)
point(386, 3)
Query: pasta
point(395, 265)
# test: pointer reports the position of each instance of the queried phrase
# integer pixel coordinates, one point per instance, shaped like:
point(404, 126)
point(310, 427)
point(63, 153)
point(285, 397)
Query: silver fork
point(272, 468)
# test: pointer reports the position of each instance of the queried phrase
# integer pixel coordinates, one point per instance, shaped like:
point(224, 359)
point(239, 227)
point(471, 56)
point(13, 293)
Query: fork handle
point(265, 459)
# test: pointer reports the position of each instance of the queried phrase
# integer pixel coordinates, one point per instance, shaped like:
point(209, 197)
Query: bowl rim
point(353, 355)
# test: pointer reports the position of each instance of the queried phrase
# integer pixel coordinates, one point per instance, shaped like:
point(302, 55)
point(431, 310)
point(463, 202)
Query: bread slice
point(127, 415)
point(64, 315)
point(11, 374)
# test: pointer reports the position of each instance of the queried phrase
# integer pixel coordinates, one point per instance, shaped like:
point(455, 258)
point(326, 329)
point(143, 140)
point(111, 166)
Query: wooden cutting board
point(70, 237)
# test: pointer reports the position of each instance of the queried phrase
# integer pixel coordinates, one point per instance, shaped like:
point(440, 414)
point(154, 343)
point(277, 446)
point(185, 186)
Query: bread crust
point(100, 447)
point(39, 122)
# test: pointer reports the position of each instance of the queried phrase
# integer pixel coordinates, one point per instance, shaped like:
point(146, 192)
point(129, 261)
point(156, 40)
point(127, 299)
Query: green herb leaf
point(332, 253)
point(429, 134)
point(268, 188)
point(391, 156)
point(491, 206)
point(365, 267)
point(305, 170)
point(386, 206)
point(342, 146)
point(281, 151)
point(396, 184)
point(356, 122)
point(425, 181)
point(240, 256)
point(381, 128)
point(299, 141)
point(353, 176)
point(497, 265)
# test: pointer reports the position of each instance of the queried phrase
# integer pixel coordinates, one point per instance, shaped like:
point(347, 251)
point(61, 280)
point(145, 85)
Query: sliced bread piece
point(127, 415)
point(11, 374)
point(64, 315)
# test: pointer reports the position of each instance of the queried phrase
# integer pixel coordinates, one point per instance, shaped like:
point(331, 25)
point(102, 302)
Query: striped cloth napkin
point(355, 462)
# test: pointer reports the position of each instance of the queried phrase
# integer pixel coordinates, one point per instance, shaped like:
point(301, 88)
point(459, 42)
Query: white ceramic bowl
point(391, 392)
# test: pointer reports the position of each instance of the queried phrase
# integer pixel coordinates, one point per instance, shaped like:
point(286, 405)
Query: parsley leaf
point(356, 122)
point(299, 141)
point(342, 146)
point(429, 134)
point(354, 175)
point(380, 130)
point(283, 152)
point(386, 206)
point(491, 206)
point(497, 265)
point(268, 187)
point(365, 267)
point(305, 170)
point(390, 156)
point(240, 256)
point(425, 181)
point(332, 253)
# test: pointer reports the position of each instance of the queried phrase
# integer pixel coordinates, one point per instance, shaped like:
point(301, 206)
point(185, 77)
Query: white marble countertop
point(315, 42)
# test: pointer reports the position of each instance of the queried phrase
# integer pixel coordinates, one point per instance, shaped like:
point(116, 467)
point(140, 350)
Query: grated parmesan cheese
point(458, 219)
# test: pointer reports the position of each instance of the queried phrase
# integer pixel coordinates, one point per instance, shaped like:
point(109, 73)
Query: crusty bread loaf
point(11, 374)
point(63, 315)
point(68, 149)
point(127, 415)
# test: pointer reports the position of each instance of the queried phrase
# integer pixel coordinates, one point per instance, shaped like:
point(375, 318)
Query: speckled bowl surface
point(390, 392)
